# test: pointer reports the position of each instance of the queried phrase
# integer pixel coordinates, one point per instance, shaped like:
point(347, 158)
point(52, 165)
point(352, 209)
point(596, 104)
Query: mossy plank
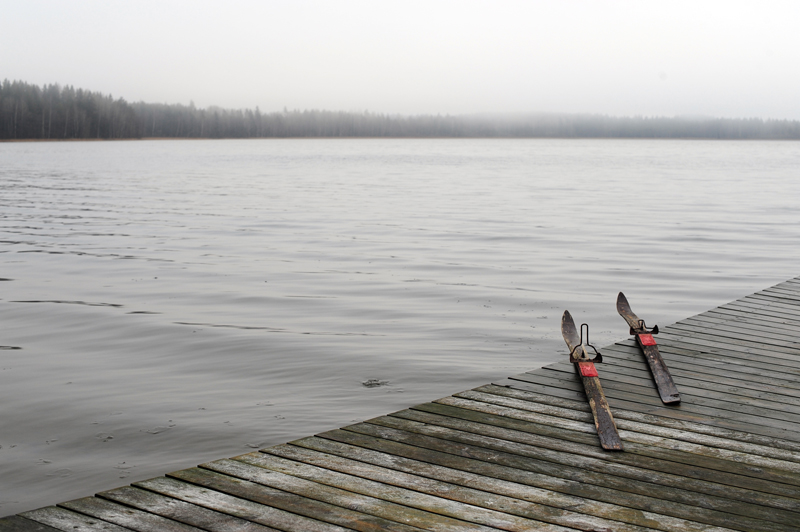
point(314, 508)
point(668, 502)
point(686, 433)
point(525, 499)
point(415, 423)
point(640, 455)
point(125, 516)
point(432, 497)
point(785, 407)
point(237, 506)
point(712, 364)
point(401, 510)
point(15, 523)
point(649, 444)
point(756, 419)
point(68, 521)
point(181, 511)
point(717, 383)
point(652, 409)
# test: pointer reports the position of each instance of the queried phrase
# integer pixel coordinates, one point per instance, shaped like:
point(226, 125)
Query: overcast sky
point(720, 58)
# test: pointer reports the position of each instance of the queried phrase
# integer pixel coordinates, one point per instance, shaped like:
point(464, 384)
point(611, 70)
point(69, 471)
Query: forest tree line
point(54, 112)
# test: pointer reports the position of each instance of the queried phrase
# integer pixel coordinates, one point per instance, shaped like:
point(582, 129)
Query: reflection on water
point(168, 303)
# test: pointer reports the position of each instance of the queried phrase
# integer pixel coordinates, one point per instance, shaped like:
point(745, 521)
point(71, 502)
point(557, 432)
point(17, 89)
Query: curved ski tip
point(622, 302)
point(567, 317)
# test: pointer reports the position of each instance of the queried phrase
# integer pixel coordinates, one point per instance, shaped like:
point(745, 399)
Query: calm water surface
point(168, 303)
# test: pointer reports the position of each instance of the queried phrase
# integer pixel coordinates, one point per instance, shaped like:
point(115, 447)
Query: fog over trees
point(54, 112)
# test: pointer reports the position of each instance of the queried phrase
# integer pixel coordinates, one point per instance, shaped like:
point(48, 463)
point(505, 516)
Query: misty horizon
point(55, 112)
point(618, 58)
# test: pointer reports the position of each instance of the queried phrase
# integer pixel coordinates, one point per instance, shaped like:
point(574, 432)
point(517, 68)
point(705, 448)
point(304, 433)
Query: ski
point(644, 337)
point(579, 355)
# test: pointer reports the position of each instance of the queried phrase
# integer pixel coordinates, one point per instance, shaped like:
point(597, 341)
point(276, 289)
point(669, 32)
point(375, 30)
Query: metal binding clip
point(643, 329)
point(583, 352)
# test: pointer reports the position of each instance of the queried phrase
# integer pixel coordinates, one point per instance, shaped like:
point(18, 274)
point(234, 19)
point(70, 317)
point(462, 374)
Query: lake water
point(165, 303)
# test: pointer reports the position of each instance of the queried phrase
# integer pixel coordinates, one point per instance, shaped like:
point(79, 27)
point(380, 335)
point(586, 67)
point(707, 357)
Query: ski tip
point(622, 304)
point(567, 321)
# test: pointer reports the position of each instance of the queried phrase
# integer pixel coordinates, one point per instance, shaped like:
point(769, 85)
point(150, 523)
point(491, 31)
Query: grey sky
point(724, 58)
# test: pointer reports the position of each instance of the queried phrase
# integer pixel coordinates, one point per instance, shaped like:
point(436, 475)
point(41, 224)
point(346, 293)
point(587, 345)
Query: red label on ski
point(587, 369)
point(647, 339)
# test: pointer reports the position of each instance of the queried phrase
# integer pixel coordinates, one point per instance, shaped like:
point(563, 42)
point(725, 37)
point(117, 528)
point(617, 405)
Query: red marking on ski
point(587, 369)
point(647, 339)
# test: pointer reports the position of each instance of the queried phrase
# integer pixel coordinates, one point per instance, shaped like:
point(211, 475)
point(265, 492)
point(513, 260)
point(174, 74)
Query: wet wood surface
point(523, 453)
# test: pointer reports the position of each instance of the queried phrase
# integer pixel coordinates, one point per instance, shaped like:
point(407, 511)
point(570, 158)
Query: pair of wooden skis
point(581, 352)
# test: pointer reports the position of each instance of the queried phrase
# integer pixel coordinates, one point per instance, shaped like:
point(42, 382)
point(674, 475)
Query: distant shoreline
point(53, 112)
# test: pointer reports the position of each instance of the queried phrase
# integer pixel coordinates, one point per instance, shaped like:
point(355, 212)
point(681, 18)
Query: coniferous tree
point(55, 112)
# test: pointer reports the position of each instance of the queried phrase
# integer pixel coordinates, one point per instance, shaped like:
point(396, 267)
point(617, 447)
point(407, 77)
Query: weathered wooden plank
point(761, 330)
point(181, 511)
point(509, 424)
point(354, 460)
point(513, 440)
point(654, 512)
point(773, 340)
point(765, 395)
point(636, 432)
point(761, 318)
point(63, 519)
point(723, 333)
point(237, 507)
point(739, 360)
point(568, 452)
point(427, 494)
point(628, 377)
point(302, 505)
point(761, 305)
point(778, 357)
point(572, 466)
point(710, 363)
point(492, 493)
point(734, 355)
point(15, 523)
point(745, 412)
point(758, 419)
point(758, 328)
point(781, 293)
point(776, 302)
point(660, 410)
point(395, 510)
point(125, 516)
point(761, 312)
point(493, 396)
point(769, 299)
point(773, 447)
point(758, 308)
point(784, 406)
point(731, 383)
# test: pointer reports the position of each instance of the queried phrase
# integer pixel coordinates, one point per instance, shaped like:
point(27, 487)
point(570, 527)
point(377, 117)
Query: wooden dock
point(522, 453)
